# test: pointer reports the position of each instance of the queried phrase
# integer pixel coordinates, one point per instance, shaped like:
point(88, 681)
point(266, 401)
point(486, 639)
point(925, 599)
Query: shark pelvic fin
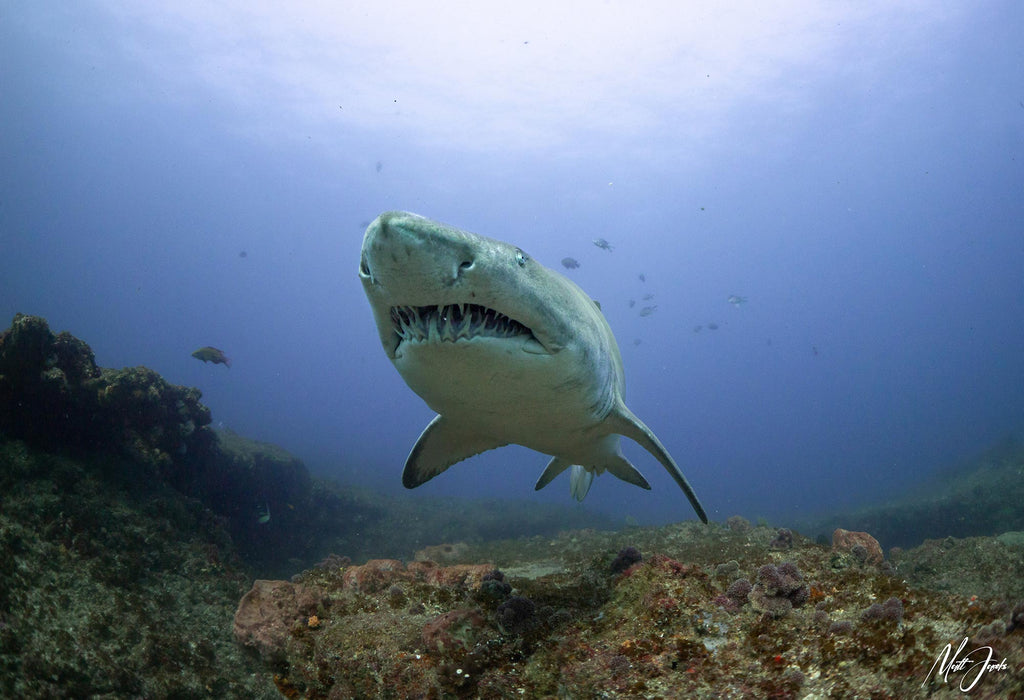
point(622, 421)
point(440, 445)
point(622, 468)
point(581, 477)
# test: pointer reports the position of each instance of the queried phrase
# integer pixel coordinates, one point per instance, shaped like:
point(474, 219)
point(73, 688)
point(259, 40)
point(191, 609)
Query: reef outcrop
point(53, 395)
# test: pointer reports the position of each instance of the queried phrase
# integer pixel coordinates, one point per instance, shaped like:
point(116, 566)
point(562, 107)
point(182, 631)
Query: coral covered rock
point(267, 613)
point(861, 545)
point(677, 624)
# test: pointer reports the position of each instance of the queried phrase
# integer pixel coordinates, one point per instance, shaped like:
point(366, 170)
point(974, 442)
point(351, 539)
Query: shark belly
point(485, 387)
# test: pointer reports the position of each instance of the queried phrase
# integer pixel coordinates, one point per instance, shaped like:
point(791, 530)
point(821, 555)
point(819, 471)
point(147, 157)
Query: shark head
point(423, 277)
point(504, 349)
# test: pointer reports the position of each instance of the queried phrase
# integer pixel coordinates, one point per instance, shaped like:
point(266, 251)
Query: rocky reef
point(707, 612)
point(130, 534)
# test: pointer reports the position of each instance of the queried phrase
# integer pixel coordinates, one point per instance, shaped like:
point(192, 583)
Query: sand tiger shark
point(505, 350)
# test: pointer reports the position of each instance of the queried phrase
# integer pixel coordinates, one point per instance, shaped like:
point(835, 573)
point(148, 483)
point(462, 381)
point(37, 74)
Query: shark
point(505, 351)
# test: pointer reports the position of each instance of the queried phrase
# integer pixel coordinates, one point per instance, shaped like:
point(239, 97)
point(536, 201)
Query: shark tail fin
point(622, 421)
point(440, 445)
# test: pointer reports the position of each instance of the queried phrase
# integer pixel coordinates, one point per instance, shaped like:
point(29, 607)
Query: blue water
point(855, 171)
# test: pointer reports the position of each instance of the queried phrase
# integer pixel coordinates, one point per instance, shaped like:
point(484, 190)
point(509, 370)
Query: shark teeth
point(453, 322)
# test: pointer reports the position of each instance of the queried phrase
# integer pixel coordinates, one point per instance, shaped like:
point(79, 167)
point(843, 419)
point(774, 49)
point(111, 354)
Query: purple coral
point(778, 590)
point(625, 559)
point(494, 587)
point(841, 627)
point(515, 615)
point(891, 611)
point(739, 590)
point(735, 595)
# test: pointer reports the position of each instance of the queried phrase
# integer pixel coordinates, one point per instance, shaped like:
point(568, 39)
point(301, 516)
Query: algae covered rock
point(109, 589)
point(53, 395)
point(674, 624)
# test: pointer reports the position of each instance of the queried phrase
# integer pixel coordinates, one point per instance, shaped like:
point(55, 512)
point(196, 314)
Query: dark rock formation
point(52, 395)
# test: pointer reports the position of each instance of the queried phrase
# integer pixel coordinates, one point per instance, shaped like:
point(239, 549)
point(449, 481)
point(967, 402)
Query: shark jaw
point(429, 283)
point(456, 323)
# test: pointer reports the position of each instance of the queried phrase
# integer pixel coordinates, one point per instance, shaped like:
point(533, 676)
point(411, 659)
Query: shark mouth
point(454, 322)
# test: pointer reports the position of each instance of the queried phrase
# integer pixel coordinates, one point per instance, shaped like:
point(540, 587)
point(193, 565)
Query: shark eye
point(521, 258)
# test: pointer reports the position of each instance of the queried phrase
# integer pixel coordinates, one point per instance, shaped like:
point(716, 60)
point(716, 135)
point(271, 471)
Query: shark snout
point(410, 258)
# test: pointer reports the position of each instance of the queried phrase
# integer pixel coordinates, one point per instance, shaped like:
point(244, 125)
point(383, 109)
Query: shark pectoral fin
point(622, 421)
point(580, 479)
point(622, 468)
point(440, 445)
point(556, 466)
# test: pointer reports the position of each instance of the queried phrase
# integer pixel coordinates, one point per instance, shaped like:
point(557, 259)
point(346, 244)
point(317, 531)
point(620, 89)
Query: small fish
point(602, 243)
point(647, 310)
point(648, 296)
point(712, 326)
point(264, 514)
point(632, 303)
point(208, 354)
point(636, 341)
point(737, 300)
point(698, 329)
point(570, 263)
point(642, 277)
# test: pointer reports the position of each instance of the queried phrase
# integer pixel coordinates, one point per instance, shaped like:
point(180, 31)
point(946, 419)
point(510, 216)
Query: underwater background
point(802, 221)
point(192, 174)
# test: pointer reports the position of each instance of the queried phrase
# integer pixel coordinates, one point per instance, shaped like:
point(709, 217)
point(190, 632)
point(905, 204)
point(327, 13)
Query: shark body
point(505, 350)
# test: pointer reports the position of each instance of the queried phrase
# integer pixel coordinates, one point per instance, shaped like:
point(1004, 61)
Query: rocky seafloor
point(130, 539)
point(683, 611)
